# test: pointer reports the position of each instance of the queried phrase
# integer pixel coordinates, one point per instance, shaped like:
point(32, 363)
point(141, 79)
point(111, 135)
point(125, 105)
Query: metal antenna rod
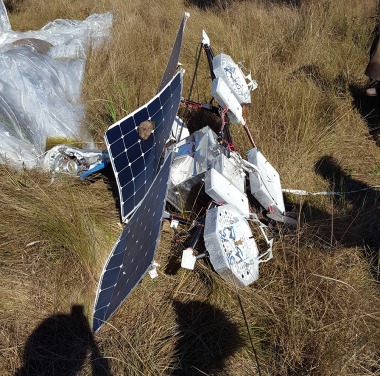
point(195, 73)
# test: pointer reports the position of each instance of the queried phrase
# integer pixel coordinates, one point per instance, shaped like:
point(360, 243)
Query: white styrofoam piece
point(220, 189)
point(265, 185)
point(226, 98)
point(232, 249)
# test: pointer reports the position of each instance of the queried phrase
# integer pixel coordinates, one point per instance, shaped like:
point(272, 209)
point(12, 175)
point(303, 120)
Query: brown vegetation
point(315, 309)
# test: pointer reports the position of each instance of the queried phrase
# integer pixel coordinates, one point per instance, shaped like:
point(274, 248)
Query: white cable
point(32, 159)
point(301, 192)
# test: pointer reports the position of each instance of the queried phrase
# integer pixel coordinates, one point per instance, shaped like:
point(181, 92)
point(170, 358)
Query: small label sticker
point(153, 273)
point(174, 224)
point(153, 269)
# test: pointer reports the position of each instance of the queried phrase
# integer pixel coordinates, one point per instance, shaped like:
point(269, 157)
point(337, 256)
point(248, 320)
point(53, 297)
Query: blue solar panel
point(134, 251)
point(174, 56)
point(135, 160)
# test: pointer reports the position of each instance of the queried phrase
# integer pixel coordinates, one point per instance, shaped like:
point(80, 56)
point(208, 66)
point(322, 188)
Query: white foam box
point(226, 98)
point(266, 185)
point(230, 170)
point(220, 189)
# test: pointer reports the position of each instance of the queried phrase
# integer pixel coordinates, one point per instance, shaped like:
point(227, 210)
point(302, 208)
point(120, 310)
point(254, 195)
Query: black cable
point(192, 84)
point(246, 323)
point(227, 133)
point(210, 57)
point(249, 334)
point(195, 70)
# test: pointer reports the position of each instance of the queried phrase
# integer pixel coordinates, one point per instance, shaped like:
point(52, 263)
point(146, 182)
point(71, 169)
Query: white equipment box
point(266, 185)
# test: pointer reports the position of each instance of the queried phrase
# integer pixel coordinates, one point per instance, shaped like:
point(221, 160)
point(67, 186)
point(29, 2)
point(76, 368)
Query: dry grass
point(314, 310)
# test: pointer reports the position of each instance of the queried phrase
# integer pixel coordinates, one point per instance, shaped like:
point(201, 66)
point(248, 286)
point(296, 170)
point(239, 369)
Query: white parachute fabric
point(41, 75)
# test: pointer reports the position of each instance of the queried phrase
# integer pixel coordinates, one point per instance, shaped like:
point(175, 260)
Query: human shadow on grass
point(224, 4)
point(360, 223)
point(207, 337)
point(210, 4)
point(12, 6)
point(293, 3)
point(356, 219)
point(369, 109)
point(317, 75)
point(60, 345)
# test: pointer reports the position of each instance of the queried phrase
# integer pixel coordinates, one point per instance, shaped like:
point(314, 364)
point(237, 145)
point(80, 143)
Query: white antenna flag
point(205, 39)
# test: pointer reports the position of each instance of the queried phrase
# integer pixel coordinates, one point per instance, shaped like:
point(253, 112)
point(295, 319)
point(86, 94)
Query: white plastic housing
point(232, 250)
point(179, 130)
point(230, 170)
point(266, 185)
point(224, 67)
point(226, 98)
point(220, 189)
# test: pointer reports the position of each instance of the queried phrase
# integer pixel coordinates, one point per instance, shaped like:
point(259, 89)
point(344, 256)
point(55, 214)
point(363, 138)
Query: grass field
point(315, 309)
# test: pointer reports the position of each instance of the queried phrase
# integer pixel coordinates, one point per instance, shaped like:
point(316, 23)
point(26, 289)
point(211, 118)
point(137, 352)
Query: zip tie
point(301, 192)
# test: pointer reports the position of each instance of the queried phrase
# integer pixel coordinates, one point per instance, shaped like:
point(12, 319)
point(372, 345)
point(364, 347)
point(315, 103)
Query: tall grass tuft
point(315, 309)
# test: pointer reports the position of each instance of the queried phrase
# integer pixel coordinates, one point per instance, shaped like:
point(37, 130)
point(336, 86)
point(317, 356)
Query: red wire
point(196, 105)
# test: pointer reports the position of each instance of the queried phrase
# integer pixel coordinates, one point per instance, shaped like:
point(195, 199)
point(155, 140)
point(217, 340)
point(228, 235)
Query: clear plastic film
point(41, 75)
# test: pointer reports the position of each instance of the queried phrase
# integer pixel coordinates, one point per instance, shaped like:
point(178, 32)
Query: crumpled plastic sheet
point(4, 20)
point(41, 75)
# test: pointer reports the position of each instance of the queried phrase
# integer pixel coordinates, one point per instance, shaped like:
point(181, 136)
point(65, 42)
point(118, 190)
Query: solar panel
point(136, 142)
point(174, 56)
point(134, 251)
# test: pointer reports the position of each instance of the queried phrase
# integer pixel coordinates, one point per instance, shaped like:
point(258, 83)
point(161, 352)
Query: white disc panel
point(232, 249)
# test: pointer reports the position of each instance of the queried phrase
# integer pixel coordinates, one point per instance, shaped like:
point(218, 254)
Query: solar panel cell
point(127, 125)
point(165, 96)
point(141, 116)
point(157, 118)
point(134, 251)
point(120, 162)
point(135, 159)
point(174, 56)
point(118, 147)
point(147, 144)
point(153, 107)
point(114, 133)
point(134, 152)
point(125, 176)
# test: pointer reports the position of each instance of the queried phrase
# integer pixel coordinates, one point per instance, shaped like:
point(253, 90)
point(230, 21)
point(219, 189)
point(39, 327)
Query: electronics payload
point(160, 169)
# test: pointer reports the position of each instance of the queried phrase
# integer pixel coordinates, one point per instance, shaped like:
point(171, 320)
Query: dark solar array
point(135, 160)
point(134, 251)
point(174, 56)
